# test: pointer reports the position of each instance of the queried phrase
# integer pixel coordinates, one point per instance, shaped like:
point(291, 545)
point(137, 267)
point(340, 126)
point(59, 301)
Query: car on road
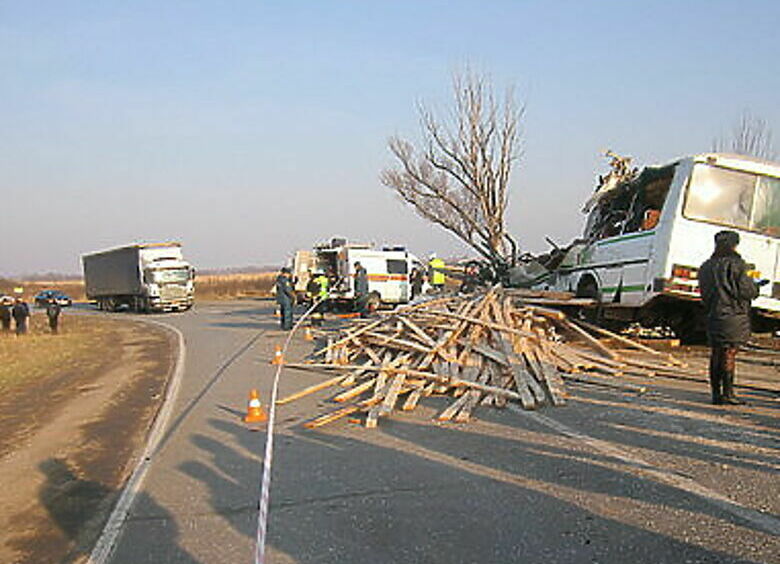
point(43, 297)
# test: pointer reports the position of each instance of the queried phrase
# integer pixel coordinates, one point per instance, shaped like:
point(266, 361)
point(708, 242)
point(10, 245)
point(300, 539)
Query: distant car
point(42, 299)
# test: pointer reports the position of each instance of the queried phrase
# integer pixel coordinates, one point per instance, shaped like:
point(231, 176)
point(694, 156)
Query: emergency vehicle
point(388, 271)
point(647, 234)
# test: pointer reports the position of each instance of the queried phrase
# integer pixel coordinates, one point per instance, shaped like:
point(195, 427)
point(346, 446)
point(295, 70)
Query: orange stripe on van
point(387, 277)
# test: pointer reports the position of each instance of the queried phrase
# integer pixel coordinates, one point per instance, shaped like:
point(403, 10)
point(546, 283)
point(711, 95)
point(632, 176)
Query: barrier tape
point(265, 484)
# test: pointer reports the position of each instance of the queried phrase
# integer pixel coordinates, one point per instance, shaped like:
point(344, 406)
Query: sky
point(250, 129)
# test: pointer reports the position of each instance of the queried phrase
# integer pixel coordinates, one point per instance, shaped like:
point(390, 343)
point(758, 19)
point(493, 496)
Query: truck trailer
point(142, 277)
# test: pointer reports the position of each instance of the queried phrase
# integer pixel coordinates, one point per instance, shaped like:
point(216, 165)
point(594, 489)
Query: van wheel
point(372, 303)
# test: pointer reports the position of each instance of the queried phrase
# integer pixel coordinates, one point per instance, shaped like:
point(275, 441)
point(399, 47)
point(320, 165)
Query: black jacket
point(726, 293)
point(284, 289)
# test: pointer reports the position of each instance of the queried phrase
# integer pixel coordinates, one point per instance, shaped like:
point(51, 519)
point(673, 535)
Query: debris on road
point(487, 350)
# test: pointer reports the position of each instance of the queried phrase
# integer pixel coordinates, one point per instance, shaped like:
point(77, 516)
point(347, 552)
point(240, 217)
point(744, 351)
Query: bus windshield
point(734, 199)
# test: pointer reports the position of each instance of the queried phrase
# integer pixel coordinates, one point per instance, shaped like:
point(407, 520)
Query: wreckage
point(647, 232)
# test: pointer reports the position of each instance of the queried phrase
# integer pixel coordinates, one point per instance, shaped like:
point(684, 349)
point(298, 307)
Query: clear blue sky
point(249, 129)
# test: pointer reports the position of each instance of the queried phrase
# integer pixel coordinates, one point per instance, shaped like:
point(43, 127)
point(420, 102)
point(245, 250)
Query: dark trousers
point(286, 318)
point(21, 326)
point(723, 361)
point(6, 323)
point(54, 323)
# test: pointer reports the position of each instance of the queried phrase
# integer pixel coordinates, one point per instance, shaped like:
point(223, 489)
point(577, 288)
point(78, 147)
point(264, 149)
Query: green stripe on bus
point(612, 289)
point(626, 238)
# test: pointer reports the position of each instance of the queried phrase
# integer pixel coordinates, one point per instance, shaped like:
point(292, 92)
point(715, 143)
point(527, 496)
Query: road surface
point(613, 477)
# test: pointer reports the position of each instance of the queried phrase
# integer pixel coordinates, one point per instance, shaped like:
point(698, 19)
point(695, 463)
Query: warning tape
point(265, 484)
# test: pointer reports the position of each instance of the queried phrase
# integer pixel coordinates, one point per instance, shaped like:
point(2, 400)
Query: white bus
point(645, 238)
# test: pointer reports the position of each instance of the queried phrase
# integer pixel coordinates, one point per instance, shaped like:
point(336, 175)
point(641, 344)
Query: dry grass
point(82, 341)
point(227, 286)
point(73, 288)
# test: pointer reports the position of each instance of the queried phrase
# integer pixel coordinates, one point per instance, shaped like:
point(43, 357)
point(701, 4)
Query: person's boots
point(715, 384)
point(729, 397)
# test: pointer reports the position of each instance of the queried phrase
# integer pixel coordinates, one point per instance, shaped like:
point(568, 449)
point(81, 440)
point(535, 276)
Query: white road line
point(641, 467)
point(107, 541)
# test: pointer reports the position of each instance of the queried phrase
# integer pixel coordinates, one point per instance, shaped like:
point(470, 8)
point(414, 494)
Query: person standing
point(437, 276)
point(21, 315)
point(53, 311)
point(361, 288)
point(5, 314)
point(726, 293)
point(285, 296)
point(416, 280)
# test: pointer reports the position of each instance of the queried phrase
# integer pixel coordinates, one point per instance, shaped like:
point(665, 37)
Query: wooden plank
point(310, 390)
point(590, 339)
point(393, 390)
point(355, 391)
point(626, 341)
point(418, 331)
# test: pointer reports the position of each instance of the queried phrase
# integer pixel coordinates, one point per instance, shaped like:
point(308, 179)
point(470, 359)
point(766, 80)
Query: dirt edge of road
point(70, 473)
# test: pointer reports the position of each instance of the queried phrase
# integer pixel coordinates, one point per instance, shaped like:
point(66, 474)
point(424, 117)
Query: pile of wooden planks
point(485, 350)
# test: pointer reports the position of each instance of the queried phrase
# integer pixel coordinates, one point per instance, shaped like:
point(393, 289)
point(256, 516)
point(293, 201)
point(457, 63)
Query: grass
point(227, 286)
point(73, 288)
point(82, 341)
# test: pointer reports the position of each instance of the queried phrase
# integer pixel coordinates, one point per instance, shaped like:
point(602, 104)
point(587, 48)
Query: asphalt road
point(613, 477)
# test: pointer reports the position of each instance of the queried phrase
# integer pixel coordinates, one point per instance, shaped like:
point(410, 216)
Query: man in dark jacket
point(361, 288)
point(5, 314)
point(284, 297)
point(53, 311)
point(726, 293)
point(21, 313)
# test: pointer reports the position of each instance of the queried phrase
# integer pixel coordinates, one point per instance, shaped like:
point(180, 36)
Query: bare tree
point(458, 176)
point(750, 135)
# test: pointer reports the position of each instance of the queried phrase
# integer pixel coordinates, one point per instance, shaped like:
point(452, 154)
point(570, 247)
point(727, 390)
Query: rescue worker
point(436, 276)
point(53, 311)
point(417, 279)
point(361, 288)
point(726, 293)
point(285, 296)
point(5, 314)
point(312, 289)
point(21, 315)
point(322, 283)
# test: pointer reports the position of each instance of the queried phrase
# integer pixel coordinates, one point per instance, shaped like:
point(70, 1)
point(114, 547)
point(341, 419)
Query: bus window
point(719, 195)
point(766, 213)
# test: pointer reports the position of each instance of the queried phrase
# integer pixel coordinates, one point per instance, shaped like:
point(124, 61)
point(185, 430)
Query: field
point(227, 286)
point(207, 286)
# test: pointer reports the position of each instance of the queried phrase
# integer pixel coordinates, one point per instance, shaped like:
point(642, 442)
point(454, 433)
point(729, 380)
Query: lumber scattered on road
point(487, 350)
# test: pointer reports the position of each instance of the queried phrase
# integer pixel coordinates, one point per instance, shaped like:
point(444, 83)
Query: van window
point(397, 267)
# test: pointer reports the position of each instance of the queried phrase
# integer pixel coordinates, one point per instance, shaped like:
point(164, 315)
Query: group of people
point(318, 291)
point(19, 311)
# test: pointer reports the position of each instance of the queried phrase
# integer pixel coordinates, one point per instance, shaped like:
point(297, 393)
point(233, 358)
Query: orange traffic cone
point(278, 356)
point(254, 411)
point(307, 335)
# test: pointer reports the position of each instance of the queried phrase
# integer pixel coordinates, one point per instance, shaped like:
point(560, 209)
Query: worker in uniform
point(323, 284)
point(726, 293)
point(361, 288)
point(21, 315)
point(416, 280)
point(285, 296)
point(5, 314)
point(53, 311)
point(436, 276)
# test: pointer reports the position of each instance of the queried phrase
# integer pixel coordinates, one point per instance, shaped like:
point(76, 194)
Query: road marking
point(641, 467)
point(107, 541)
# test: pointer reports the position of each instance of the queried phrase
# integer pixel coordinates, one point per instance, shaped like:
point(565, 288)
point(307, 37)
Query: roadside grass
point(73, 288)
point(227, 286)
point(81, 344)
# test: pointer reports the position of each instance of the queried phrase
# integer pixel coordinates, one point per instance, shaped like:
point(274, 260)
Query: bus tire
point(588, 288)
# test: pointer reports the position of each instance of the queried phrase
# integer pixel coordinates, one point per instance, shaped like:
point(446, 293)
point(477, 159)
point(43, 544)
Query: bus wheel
point(587, 288)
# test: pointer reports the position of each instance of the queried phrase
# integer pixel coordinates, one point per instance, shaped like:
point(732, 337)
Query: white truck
point(388, 271)
point(143, 277)
point(647, 233)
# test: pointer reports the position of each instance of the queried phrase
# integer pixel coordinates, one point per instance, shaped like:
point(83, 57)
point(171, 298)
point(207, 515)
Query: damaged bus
point(647, 232)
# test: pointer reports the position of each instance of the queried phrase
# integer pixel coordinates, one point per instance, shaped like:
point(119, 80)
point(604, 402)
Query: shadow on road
point(413, 492)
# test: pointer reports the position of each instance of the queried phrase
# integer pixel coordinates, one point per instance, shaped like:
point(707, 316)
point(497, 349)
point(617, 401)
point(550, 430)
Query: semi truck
point(142, 277)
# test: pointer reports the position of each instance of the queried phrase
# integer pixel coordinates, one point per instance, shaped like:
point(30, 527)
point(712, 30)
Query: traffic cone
point(254, 411)
point(307, 335)
point(278, 356)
